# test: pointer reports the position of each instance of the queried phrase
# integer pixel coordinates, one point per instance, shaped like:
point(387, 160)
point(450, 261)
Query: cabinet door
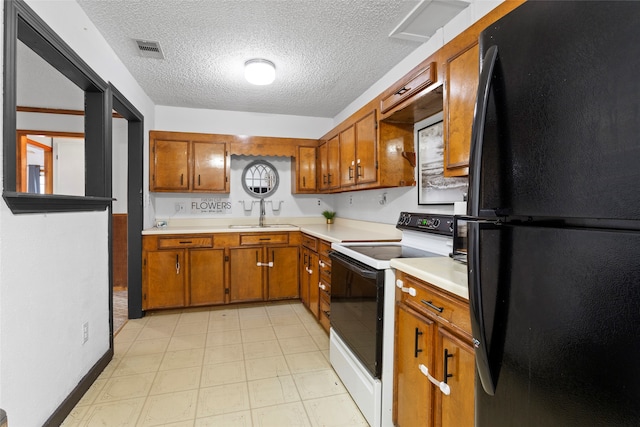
point(306, 170)
point(283, 276)
point(333, 161)
point(323, 166)
point(314, 280)
point(455, 360)
point(170, 170)
point(461, 86)
point(165, 278)
point(412, 390)
point(366, 149)
point(245, 276)
point(348, 157)
point(206, 276)
point(304, 276)
point(209, 166)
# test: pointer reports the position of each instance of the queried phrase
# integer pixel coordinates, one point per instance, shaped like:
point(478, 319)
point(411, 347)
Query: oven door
point(357, 302)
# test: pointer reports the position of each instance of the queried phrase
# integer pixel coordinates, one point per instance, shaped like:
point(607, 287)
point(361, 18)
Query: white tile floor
point(261, 366)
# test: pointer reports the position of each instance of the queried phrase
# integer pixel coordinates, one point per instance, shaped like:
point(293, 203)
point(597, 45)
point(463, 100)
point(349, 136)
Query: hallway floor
point(260, 366)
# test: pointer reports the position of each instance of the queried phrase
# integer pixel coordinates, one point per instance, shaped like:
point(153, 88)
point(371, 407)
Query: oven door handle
point(346, 261)
point(368, 274)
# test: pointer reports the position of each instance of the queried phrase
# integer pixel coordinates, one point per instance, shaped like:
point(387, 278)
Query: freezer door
point(557, 118)
point(561, 312)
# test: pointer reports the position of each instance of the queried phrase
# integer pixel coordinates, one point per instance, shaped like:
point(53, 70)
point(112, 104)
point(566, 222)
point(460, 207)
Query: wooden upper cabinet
point(333, 163)
point(358, 152)
point(209, 166)
point(170, 165)
point(323, 166)
point(460, 89)
point(305, 173)
point(409, 87)
point(348, 157)
point(187, 162)
point(366, 149)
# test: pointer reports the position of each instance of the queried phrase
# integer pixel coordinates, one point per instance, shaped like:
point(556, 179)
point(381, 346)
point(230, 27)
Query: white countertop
point(442, 272)
point(343, 230)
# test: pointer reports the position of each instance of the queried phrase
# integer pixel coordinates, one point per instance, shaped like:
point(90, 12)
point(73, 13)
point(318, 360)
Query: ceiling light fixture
point(259, 71)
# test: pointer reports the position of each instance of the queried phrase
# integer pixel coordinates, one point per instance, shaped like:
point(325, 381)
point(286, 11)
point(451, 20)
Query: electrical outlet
point(179, 207)
point(318, 202)
point(85, 332)
point(350, 200)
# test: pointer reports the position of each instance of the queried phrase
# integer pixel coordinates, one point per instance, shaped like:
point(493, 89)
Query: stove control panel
point(428, 223)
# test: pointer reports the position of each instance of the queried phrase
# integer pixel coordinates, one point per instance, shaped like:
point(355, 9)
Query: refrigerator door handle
point(478, 326)
point(477, 130)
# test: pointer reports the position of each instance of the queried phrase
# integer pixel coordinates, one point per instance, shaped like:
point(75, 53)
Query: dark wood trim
point(135, 208)
point(21, 203)
point(67, 405)
point(22, 109)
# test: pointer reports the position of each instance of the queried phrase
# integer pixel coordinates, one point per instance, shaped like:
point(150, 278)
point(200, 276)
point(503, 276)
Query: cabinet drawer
point(325, 248)
point(185, 242)
point(325, 290)
point(325, 314)
point(310, 242)
point(325, 268)
point(430, 300)
point(419, 81)
point(264, 238)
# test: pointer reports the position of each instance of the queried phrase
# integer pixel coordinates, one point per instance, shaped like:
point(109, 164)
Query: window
point(22, 25)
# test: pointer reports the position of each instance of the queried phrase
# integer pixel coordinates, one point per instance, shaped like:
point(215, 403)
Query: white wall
point(54, 274)
point(291, 206)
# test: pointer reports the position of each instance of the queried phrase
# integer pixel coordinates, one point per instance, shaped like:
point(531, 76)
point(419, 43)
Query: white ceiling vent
point(149, 49)
point(425, 19)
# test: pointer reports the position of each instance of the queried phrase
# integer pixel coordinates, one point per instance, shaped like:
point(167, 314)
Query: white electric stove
point(363, 308)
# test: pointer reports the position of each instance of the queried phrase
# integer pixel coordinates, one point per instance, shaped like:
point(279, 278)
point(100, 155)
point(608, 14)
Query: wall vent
point(149, 49)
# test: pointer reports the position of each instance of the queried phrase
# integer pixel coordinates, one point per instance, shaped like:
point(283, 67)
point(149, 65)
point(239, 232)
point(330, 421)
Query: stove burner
point(387, 252)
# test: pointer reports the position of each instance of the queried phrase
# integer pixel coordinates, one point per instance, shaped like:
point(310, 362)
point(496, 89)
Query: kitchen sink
point(244, 226)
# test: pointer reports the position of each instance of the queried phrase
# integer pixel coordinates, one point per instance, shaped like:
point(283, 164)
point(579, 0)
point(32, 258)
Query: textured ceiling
point(326, 52)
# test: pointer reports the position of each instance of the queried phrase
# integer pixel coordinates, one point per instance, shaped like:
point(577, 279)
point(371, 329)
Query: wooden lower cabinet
point(245, 276)
point(164, 280)
point(412, 393)
point(436, 338)
point(309, 280)
point(206, 276)
point(263, 273)
point(457, 409)
point(282, 277)
point(200, 269)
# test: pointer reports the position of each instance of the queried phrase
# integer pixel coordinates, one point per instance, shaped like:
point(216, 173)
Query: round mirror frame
point(257, 171)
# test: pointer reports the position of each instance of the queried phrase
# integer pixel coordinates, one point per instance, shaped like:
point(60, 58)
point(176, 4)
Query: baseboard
point(65, 408)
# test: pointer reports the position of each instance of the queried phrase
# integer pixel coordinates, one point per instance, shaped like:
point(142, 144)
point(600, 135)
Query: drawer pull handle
point(265, 238)
point(410, 291)
point(185, 242)
point(417, 350)
point(444, 387)
point(447, 355)
point(430, 305)
point(403, 90)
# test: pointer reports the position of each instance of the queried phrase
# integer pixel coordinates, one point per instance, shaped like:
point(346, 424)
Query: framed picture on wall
point(433, 187)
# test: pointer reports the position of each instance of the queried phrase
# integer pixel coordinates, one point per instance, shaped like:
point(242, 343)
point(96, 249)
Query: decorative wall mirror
point(260, 179)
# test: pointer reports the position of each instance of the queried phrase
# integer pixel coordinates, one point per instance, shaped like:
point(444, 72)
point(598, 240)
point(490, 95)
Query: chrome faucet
point(262, 213)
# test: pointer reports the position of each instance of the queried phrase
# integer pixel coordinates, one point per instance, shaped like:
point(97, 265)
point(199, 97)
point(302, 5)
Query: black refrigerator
point(554, 192)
